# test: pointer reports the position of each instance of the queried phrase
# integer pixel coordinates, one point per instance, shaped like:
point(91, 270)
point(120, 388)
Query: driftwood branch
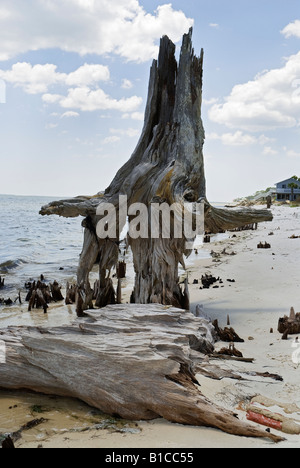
point(135, 362)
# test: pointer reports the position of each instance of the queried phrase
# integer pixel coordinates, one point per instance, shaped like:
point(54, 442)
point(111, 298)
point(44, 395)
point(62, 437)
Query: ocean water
point(32, 245)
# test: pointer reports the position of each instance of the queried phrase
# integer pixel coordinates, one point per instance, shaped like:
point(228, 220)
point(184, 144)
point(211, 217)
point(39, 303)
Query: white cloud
point(100, 27)
point(111, 139)
point(38, 78)
point(33, 79)
point(140, 116)
point(87, 75)
point(233, 139)
point(267, 102)
point(209, 102)
point(263, 140)
point(84, 95)
point(269, 151)
point(214, 25)
point(50, 126)
point(130, 132)
point(4, 14)
point(127, 84)
point(51, 98)
point(292, 153)
point(69, 114)
point(292, 29)
point(85, 99)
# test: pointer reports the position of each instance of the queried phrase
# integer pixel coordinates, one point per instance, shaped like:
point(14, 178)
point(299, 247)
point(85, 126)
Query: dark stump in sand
point(289, 325)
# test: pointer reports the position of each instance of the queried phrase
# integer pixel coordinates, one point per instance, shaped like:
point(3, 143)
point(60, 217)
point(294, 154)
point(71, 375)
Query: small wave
point(11, 265)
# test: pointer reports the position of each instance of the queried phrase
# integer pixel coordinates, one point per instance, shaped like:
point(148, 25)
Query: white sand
point(266, 287)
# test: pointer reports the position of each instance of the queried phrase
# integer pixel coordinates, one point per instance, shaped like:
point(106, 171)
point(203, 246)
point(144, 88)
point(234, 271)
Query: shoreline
point(265, 288)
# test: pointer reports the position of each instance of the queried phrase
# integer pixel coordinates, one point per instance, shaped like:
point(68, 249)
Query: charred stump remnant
point(167, 166)
point(40, 295)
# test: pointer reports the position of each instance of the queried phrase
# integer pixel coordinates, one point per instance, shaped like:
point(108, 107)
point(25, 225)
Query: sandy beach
point(265, 287)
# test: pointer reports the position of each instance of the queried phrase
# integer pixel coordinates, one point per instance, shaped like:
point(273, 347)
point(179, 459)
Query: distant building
point(284, 192)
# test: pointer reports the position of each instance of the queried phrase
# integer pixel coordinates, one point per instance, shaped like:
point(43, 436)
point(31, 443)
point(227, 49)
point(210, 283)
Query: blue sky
point(76, 77)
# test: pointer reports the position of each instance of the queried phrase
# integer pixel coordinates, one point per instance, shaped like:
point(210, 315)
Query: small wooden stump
point(228, 335)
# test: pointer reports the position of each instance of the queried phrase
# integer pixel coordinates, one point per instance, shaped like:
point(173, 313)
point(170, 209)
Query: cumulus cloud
point(100, 27)
point(268, 102)
point(111, 139)
point(292, 29)
point(38, 78)
point(127, 84)
point(83, 91)
point(269, 151)
point(33, 79)
point(134, 116)
point(69, 114)
point(129, 132)
point(291, 153)
point(240, 139)
point(233, 139)
point(88, 74)
point(51, 98)
point(88, 100)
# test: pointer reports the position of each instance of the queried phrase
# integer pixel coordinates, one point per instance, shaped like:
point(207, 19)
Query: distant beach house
point(286, 190)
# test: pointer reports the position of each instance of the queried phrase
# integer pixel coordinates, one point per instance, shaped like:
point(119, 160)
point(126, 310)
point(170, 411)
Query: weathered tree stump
point(121, 270)
point(290, 325)
point(40, 295)
point(262, 245)
point(166, 167)
point(228, 335)
point(70, 294)
point(121, 360)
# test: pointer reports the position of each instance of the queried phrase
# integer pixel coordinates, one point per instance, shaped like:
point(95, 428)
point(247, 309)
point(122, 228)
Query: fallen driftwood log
point(166, 167)
point(289, 325)
point(227, 357)
point(134, 361)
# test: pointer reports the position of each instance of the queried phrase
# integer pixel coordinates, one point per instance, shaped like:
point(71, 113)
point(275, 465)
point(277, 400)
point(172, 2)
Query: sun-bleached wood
point(166, 166)
point(138, 362)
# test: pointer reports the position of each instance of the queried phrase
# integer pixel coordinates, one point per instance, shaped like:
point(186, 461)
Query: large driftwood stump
point(137, 362)
point(166, 167)
point(290, 325)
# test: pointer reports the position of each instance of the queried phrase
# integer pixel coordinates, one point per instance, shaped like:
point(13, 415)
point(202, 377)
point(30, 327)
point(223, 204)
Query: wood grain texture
point(136, 361)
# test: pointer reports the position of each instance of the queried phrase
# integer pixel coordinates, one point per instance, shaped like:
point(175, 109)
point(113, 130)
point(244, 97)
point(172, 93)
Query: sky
point(74, 79)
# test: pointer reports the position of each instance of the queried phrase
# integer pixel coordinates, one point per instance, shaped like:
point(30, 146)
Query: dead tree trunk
point(167, 167)
point(125, 364)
